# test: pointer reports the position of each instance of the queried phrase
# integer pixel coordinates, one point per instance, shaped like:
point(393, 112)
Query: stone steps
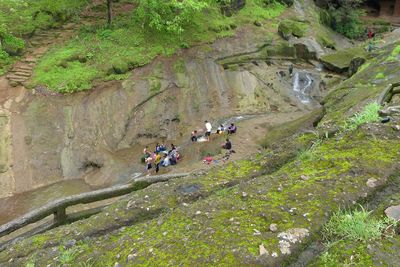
point(29, 60)
point(13, 78)
point(23, 68)
point(22, 74)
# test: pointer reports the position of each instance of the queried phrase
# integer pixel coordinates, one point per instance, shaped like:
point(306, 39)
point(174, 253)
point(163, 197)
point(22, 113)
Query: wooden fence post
point(60, 215)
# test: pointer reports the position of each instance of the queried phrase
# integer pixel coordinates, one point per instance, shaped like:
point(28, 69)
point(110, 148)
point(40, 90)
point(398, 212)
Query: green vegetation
point(66, 256)
point(369, 114)
point(380, 75)
point(100, 52)
point(345, 17)
point(356, 225)
point(395, 54)
point(23, 18)
point(170, 16)
point(349, 235)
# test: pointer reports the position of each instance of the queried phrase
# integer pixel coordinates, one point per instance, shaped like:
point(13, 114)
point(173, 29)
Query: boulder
point(393, 212)
point(339, 62)
point(355, 64)
point(289, 28)
point(282, 49)
point(307, 48)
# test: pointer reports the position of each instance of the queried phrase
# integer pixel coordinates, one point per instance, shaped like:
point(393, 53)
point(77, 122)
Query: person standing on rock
point(194, 136)
point(157, 161)
point(208, 130)
point(290, 70)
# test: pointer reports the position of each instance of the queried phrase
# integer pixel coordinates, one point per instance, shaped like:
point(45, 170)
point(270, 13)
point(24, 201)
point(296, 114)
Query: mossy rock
point(325, 41)
point(120, 67)
point(340, 61)
point(355, 64)
point(281, 49)
point(289, 28)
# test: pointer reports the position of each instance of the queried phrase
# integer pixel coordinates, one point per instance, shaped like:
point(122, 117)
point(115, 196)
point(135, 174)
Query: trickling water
point(302, 86)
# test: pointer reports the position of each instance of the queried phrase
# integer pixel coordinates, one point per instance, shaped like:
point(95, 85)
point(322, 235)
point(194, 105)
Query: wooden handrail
point(387, 94)
point(58, 207)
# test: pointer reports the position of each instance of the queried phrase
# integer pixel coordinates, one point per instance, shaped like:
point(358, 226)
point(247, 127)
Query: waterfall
point(302, 86)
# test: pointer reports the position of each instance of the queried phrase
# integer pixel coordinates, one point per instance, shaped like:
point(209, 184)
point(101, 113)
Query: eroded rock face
point(6, 175)
point(67, 137)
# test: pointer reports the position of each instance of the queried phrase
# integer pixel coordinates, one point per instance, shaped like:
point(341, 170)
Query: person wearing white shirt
point(208, 129)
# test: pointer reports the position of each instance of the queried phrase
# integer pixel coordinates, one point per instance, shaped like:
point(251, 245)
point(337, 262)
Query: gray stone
point(304, 177)
point(393, 212)
point(263, 251)
point(372, 182)
point(273, 227)
point(131, 257)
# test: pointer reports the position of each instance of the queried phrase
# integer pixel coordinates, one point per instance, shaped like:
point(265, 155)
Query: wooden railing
point(388, 93)
point(58, 207)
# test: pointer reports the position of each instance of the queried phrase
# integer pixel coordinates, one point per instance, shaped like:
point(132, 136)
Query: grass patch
point(357, 225)
point(102, 52)
point(66, 256)
point(369, 114)
point(380, 75)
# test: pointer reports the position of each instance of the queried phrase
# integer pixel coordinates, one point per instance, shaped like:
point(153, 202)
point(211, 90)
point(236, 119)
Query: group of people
point(161, 156)
point(231, 129)
point(195, 137)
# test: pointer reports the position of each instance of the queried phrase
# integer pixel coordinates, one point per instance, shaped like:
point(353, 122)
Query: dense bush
point(170, 16)
point(23, 17)
point(346, 17)
point(12, 45)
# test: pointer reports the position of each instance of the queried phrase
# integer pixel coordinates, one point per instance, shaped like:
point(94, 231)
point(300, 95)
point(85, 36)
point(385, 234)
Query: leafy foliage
point(24, 17)
point(170, 15)
point(369, 114)
point(108, 53)
point(346, 17)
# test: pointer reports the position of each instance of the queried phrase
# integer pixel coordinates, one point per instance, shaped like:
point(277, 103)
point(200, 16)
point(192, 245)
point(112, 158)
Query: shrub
point(170, 16)
point(380, 75)
point(357, 225)
point(346, 17)
point(12, 45)
point(369, 114)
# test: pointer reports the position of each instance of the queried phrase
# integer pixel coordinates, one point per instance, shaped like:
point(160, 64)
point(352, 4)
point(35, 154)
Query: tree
point(109, 12)
point(168, 15)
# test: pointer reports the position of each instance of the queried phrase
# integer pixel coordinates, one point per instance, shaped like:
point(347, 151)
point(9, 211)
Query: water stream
point(302, 85)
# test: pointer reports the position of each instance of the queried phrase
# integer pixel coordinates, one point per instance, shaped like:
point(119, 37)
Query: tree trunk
point(396, 8)
point(109, 12)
